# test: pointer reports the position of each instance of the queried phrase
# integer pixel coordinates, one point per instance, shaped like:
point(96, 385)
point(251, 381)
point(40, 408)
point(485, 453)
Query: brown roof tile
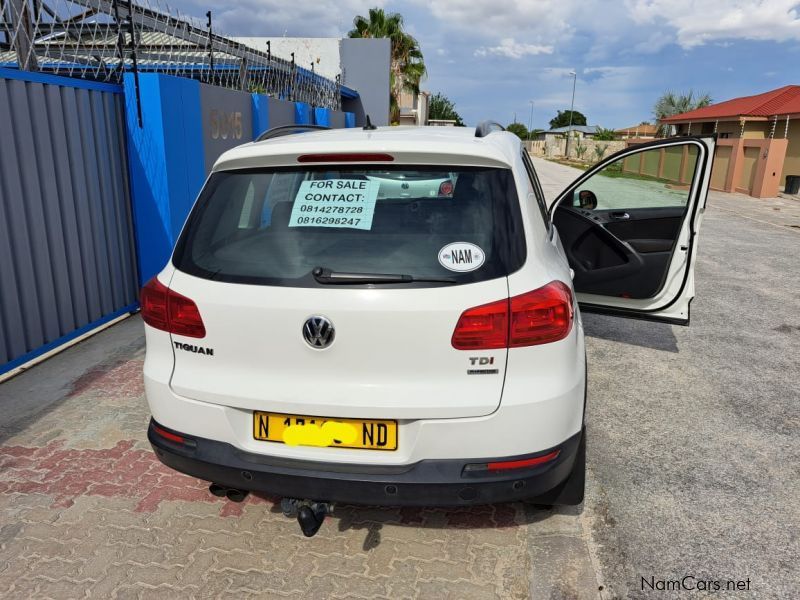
point(782, 101)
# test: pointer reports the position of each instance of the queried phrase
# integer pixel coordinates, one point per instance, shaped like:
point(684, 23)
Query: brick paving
point(88, 511)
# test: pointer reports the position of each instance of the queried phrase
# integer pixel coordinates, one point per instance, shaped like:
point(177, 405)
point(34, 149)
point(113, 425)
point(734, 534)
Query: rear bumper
point(425, 483)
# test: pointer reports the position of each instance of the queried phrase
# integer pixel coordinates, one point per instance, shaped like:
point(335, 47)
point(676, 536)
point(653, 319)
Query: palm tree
point(407, 67)
point(671, 103)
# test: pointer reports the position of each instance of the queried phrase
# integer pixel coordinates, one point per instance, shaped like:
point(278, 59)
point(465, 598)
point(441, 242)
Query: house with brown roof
point(758, 142)
point(640, 131)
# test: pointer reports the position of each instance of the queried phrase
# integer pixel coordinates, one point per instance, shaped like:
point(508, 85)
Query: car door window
point(651, 179)
point(537, 188)
point(620, 226)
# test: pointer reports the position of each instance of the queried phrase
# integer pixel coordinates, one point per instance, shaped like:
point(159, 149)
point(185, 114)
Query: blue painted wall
point(322, 116)
point(166, 162)
point(167, 158)
point(302, 113)
point(260, 114)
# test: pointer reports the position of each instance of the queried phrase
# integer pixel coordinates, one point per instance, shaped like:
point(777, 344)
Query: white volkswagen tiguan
point(320, 334)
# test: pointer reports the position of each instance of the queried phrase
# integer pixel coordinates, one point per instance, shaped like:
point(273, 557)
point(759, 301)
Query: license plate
point(296, 430)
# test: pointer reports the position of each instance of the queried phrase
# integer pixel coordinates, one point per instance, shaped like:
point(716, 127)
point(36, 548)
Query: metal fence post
point(22, 37)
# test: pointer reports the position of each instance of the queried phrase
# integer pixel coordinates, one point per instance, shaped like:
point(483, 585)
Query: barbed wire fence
point(101, 40)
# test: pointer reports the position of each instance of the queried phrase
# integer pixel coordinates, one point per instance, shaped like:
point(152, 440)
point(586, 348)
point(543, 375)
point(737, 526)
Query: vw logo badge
point(318, 332)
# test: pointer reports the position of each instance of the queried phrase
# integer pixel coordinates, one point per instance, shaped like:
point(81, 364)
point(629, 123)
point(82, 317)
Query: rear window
point(276, 226)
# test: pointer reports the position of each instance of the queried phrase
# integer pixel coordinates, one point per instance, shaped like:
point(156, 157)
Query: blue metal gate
point(67, 259)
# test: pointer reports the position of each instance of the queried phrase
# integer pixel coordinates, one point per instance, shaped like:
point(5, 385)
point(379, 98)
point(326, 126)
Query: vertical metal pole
point(243, 75)
point(530, 122)
point(269, 88)
point(120, 39)
point(571, 110)
point(291, 81)
point(210, 50)
point(5, 30)
point(135, 64)
point(23, 41)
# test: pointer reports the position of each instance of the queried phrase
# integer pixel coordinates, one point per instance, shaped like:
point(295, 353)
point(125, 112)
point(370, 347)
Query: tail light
point(169, 311)
point(541, 316)
point(483, 327)
point(446, 188)
point(538, 317)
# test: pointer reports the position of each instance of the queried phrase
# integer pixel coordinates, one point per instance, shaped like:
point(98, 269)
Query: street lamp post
point(571, 110)
point(530, 122)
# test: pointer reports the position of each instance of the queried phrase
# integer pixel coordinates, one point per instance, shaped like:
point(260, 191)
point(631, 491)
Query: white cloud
point(272, 18)
point(487, 17)
point(697, 22)
point(647, 26)
point(512, 49)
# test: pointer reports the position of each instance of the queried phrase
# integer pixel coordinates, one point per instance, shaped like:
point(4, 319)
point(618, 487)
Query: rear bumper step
point(426, 483)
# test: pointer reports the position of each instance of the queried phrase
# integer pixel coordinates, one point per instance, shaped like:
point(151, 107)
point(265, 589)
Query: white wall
point(362, 63)
point(323, 52)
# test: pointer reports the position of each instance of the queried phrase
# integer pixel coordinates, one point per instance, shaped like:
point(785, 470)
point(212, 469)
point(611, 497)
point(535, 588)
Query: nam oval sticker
point(461, 257)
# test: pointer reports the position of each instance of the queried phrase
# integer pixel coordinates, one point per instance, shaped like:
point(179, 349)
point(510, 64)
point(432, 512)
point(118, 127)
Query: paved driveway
point(693, 461)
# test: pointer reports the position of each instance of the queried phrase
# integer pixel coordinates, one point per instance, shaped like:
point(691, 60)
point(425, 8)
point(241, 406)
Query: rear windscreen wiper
point(329, 277)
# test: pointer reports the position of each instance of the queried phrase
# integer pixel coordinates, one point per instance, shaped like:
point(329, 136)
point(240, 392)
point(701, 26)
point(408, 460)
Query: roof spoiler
point(287, 130)
point(484, 128)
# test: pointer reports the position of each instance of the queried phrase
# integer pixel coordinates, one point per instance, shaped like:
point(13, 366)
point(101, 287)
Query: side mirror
point(586, 199)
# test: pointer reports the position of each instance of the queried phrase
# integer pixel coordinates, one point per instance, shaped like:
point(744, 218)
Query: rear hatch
point(325, 291)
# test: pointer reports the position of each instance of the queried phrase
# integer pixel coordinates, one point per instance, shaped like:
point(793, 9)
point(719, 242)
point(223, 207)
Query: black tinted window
point(274, 226)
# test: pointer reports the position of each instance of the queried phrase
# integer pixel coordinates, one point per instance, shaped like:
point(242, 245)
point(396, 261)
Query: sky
point(493, 57)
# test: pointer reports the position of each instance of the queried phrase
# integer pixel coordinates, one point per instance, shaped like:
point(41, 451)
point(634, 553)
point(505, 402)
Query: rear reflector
point(173, 436)
point(538, 317)
point(168, 435)
point(510, 465)
point(170, 311)
point(347, 157)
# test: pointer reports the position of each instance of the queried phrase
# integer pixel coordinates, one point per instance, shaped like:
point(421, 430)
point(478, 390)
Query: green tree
point(671, 103)
point(441, 107)
point(562, 119)
point(407, 65)
point(580, 148)
point(519, 129)
point(600, 150)
point(604, 134)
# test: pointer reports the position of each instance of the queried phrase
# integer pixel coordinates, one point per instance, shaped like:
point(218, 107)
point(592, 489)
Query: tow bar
point(310, 514)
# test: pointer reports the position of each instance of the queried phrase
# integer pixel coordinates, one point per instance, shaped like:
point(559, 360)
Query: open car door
point(629, 227)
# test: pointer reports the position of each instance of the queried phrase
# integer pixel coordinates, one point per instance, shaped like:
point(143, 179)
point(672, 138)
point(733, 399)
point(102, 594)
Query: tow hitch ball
point(310, 514)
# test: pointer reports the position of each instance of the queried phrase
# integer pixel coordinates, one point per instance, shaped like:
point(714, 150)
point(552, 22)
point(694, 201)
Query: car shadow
point(372, 519)
point(646, 334)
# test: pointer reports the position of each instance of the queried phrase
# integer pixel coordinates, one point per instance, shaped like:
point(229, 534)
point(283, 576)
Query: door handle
point(620, 215)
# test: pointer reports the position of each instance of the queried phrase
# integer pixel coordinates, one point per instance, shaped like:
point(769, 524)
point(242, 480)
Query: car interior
point(619, 234)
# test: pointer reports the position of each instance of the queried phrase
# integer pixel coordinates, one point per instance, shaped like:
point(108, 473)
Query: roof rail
point(287, 130)
point(484, 128)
